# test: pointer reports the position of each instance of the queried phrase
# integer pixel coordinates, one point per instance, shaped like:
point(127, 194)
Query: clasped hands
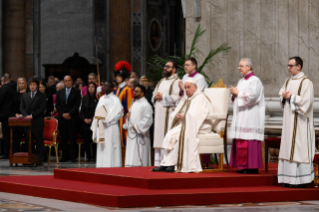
point(128, 115)
point(286, 95)
point(88, 121)
point(158, 96)
point(234, 91)
point(66, 116)
point(180, 116)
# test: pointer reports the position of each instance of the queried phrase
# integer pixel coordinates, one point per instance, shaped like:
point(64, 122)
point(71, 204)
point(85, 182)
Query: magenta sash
point(242, 152)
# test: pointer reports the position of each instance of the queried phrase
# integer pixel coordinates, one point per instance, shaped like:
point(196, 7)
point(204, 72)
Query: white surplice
point(170, 90)
point(138, 149)
point(297, 148)
point(199, 79)
point(181, 141)
point(248, 110)
point(108, 153)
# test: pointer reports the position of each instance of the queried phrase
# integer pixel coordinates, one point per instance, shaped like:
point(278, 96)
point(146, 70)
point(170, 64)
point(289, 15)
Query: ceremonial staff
point(97, 61)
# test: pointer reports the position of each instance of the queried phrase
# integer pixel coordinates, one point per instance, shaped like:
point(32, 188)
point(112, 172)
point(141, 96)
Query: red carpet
point(138, 187)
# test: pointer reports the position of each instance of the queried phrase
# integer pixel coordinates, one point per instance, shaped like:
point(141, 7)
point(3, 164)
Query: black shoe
point(170, 169)
point(160, 169)
point(74, 161)
point(298, 186)
point(64, 160)
point(241, 171)
point(250, 171)
point(285, 185)
point(89, 160)
point(4, 157)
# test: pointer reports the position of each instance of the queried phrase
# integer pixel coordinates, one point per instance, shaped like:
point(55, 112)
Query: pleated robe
point(181, 141)
point(138, 149)
point(170, 90)
point(297, 148)
point(108, 153)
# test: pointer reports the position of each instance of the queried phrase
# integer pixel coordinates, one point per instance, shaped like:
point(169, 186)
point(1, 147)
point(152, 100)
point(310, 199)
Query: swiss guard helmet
point(123, 69)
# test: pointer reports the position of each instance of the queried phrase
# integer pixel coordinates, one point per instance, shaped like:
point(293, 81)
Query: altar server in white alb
point(107, 136)
point(138, 122)
point(297, 148)
point(190, 67)
point(165, 97)
point(187, 121)
point(247, 127)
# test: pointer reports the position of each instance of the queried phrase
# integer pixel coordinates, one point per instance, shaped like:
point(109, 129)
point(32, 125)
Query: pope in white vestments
point(247, 127)
point(187, 121)
point(165, 98)
point(138, 122)
point(108, 153)
point(297, 148)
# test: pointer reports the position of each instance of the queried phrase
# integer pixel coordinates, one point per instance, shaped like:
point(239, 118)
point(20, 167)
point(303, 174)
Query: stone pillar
point(120, 32)
point(14, 38)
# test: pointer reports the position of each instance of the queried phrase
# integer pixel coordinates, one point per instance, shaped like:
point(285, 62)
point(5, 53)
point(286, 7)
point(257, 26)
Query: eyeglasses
point(290, 66)
point(167, 66)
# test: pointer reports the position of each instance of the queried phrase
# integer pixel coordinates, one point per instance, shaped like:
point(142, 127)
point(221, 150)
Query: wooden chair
point(50, 134)
point(316, 164)
point(271, 142)
point(216, 141)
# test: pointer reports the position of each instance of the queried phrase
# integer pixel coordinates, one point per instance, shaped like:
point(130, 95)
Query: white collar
point(298, 75)
point(172, 77)
point(122, 85)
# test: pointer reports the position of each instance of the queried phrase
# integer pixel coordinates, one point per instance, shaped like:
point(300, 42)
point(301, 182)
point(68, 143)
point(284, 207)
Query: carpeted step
point(143, 177)
point(121, 196)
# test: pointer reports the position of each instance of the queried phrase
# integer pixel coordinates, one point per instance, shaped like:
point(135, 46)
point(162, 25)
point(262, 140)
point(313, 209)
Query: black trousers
point(18, 133)
point(37, 136)
point(68, 132)
point(5, 146)
point(87, 136)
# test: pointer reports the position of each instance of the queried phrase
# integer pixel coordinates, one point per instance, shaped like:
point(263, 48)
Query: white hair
point(60, 83)
point(249, 62)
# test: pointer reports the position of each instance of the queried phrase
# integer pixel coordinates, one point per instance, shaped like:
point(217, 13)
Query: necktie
point(67, 95)
point(32, 95)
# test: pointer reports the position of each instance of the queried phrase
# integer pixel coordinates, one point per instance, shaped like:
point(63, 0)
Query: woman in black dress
point(89, 103)
point(43, 89)
point(19, 132)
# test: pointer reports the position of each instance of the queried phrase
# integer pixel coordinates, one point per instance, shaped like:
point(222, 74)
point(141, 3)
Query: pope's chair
point(215, 142)
point(50, 134)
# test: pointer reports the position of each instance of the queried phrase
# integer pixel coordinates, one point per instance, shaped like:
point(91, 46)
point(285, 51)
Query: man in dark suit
point(68, 101)
point(7, 95)
point(33, 105)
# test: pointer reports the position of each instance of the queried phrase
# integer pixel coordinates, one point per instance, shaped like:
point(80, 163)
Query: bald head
point(190, 88)
point(68, 81)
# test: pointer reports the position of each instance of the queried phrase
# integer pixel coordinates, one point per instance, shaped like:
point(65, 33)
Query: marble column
point(14, 38)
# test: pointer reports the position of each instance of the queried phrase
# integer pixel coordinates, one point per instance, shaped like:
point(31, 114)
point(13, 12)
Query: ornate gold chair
point(216, 141)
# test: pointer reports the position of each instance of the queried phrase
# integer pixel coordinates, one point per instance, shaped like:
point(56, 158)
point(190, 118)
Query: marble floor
point(14, 202)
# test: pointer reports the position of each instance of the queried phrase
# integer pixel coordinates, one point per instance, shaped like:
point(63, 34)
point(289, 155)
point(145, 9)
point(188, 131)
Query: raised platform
point(139, 187)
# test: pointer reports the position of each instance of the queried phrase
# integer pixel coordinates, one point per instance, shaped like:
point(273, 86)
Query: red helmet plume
point(123, 64)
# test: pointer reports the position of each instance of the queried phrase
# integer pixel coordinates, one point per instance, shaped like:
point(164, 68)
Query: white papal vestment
point(170, 90)
point(297, 147)
point(181, 141)
point(138, 150)
point(108, 153)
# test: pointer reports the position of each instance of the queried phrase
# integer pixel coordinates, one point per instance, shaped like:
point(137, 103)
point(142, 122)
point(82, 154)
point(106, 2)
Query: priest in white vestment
point(108, 152)
point(187, 121)
point(247, 127)
point(165, 98)
point(138, 122)
point(297, 148)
